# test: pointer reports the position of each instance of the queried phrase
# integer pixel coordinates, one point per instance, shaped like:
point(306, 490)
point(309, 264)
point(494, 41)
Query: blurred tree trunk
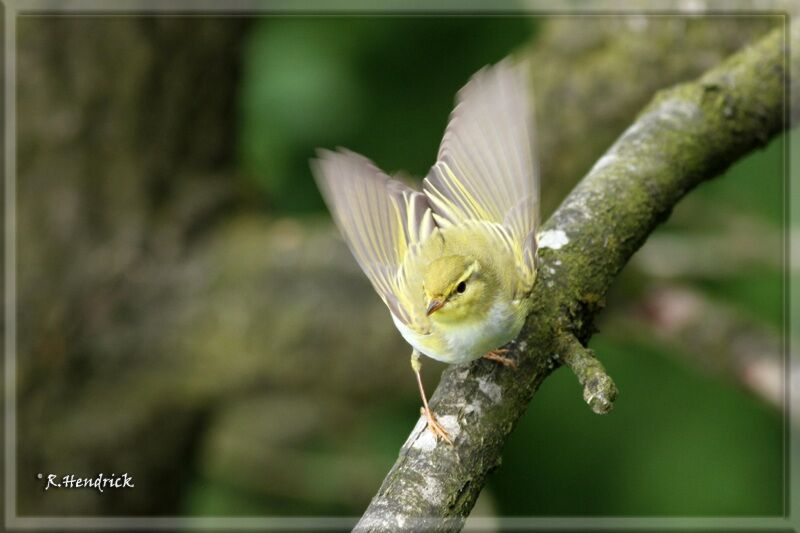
point(125, 133)
point(157, 319)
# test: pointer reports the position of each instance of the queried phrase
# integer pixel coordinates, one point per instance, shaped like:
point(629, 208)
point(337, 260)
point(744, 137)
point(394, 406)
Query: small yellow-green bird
point(456, 262)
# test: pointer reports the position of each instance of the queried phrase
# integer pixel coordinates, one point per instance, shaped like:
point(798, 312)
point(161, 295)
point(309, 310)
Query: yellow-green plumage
point(456, 261)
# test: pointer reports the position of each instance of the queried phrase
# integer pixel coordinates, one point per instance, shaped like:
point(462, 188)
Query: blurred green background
point(379, 86)
point(188, 314)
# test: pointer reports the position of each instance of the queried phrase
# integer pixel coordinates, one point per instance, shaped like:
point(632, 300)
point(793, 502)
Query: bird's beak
point(433, 306)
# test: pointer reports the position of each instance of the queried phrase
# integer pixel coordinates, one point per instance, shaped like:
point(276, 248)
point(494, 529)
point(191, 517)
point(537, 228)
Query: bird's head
point(457, 289)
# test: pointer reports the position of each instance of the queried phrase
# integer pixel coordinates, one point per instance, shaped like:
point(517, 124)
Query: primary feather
point(485, 167)
point(380, 218)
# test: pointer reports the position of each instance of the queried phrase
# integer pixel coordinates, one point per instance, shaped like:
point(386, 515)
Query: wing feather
point(381, 220)
point(485, 168)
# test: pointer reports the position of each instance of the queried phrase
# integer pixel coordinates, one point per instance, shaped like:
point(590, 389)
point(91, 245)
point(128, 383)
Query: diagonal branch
point(687, 134)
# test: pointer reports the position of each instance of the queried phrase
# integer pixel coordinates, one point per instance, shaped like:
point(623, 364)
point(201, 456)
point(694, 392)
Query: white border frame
point(14, 8)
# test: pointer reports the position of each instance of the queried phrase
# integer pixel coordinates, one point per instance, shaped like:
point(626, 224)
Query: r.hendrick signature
point(99, 482)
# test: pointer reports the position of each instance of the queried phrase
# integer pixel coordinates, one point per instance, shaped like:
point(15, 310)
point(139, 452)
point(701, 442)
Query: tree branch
point(688, 134)
point(599, 390)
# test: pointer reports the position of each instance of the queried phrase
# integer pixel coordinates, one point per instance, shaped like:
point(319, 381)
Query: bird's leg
point(498, 355)
point(433, 424)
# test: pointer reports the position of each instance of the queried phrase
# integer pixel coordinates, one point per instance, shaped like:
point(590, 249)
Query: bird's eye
point(461, 287)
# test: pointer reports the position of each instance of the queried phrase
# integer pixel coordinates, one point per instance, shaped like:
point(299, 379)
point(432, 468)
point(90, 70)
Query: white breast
point(458, 344)
point(472, 341)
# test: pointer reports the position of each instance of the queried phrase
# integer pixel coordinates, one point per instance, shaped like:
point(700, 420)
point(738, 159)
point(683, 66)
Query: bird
point(455, 262)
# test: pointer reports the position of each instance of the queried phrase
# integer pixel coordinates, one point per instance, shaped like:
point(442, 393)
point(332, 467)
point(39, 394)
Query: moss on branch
point(687, 134)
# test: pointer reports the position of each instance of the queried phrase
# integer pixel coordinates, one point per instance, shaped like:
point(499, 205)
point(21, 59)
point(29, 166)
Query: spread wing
point(381, 219)
point(485, 169)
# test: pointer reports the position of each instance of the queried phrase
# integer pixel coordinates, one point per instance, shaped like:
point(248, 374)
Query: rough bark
point(688, 134)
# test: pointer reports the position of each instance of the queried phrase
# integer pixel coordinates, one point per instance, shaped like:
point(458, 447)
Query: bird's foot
point(498, 356)
point(436, 428)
